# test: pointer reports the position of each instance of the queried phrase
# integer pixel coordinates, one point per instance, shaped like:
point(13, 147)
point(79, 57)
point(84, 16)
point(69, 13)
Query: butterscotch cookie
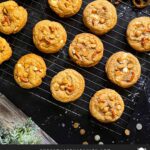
point(86, 50)
point(123, 69)
point(49, 36)
point(5, 50)
point(106, 106)
point(138, 34)
point(12, 17)
point(100, 16)
point(65, 8)
point(29, 71)
point(67, 86)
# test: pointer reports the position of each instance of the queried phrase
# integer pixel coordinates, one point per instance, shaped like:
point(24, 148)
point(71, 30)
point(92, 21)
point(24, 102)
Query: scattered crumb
point(113, 142)
point(97, 138)
point(76, 125)
point(139, 126)
point(116, 2)
point(127, 132)
point(63, 125)
point(82, 131)
point(101, 143)
point(85, 143)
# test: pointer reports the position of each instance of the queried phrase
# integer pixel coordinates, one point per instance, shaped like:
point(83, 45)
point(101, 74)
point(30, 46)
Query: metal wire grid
point(95, 77)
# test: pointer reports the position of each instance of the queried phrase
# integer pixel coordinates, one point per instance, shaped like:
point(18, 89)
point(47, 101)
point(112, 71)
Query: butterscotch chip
point(127, 132)
point(106, 106)
point(76, 125)
point(138, 34)
point(12, 17)
point(86, 50)
point(49, 36)
point(100, 16)
point(85, 143)
point(5, 50)
point(65, 8)
point(29, 71)
point(67, 86)
point(123, 69)
point(82, 132)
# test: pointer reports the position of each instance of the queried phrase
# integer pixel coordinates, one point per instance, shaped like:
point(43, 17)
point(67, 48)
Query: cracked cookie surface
point(29, 71)
point(123, 69)
point(138, 34)
point(86, 50)
point(67, 86)
point(5, 50)
point(100, 16)
point(12, 17)
point(65, 8)
point(106, 106)
point(49, 36)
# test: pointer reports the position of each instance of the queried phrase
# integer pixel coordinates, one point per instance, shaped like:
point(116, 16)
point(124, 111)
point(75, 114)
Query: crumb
point(115, 2)
point(139, 126)
point(76, 125)
point(63, 125)
point(85, 143)
point(127, 132)
point(101, 143)
point(82, 131)
point(97, 138)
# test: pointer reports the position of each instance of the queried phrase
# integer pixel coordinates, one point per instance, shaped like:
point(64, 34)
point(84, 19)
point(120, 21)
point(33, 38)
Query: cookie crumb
point(97, 138)
point(139, 126)
point(85, 143)
point(76, 125)
point(82, 132)
point(101, 143)
point(127, 132)
point(63, 125)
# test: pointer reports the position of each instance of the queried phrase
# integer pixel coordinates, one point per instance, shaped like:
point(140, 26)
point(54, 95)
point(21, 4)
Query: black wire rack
point(95, 77)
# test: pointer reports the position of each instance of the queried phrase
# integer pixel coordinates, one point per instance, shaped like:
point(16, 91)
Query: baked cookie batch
point(86, 50)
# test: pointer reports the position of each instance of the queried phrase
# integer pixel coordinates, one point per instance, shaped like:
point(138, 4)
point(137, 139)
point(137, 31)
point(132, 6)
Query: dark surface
point(56, 118)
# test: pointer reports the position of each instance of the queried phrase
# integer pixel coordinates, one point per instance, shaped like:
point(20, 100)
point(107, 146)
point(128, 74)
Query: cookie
point(100, 16)
point(106, 106)
point(138, 34)
point(86, 50)
point(67, 86)
point(65, 8)
point(29, 71)
point(5, 50)
point(12, 17)
point(123, 69)
point(49, 36)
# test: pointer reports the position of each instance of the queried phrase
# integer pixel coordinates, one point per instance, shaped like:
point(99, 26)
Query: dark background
point(57, 119)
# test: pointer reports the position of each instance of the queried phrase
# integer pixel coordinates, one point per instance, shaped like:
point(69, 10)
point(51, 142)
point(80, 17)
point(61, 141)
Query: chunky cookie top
point(29, 71)
point(107, 105)
point(67, 85)
point(86, 50)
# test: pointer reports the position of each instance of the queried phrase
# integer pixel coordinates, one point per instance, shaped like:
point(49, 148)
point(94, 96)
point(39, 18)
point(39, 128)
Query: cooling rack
point(95, 77)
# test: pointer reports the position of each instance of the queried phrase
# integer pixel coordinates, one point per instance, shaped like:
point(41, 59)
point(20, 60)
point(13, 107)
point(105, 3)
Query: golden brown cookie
point(67, 86)
point(12, 17)
point(29, 71)
point(5, 50)
point(49, 36)
point(106, 106)
point(86, 50)
point(65, 8)
point(100, 16)
point(138, 34)
point(123, 69)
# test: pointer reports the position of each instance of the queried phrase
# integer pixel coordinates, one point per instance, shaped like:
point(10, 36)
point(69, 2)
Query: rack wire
point(95, 77)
